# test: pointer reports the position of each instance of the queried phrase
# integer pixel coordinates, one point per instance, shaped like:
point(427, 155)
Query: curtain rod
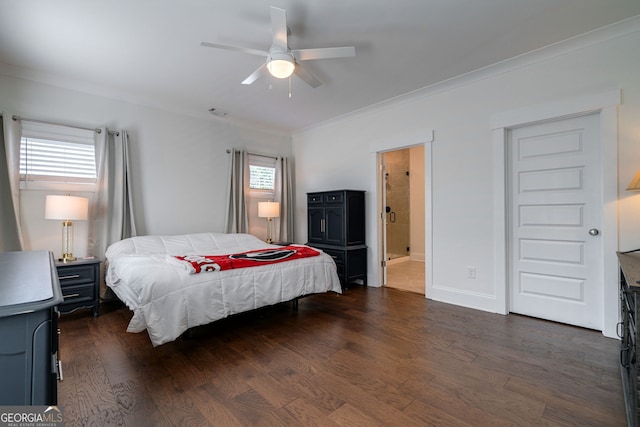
point(97, 130)
point(259, 155)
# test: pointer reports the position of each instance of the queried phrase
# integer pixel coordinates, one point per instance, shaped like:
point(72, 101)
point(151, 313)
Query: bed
point(152, 277)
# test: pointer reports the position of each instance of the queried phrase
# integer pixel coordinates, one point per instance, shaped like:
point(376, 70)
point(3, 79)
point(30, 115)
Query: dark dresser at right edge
point(336, 224)
point(628, 331)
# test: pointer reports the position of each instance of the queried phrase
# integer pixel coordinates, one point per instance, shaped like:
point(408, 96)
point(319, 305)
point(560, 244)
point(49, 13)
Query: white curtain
point(237, 220)
point(10, 231)
point(284, 194)
point(111, 213)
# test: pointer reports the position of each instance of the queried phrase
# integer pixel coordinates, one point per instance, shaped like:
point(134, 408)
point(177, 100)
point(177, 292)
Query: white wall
point(340, 154)
point(179, 163)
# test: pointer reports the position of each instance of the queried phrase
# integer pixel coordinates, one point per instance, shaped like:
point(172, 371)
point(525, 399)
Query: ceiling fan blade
point(323, 53)
point(305, 75)
point(279, 29)
point(261, 71)
point(235, 48)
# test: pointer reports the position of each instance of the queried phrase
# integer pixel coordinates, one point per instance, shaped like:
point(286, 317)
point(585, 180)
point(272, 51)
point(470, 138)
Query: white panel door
point(555, 198)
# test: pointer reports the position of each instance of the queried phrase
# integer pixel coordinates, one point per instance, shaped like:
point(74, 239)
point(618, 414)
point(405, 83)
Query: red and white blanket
point(205, 263)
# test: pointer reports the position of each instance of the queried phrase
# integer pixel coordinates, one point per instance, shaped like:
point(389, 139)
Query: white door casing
point(555, 201)
point(606, 103)
point(383, 217)
point(400, 141)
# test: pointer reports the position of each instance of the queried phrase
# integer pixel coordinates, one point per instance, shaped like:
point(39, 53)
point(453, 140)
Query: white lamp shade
point(66, 208)
point(281, 65)
point(268, 209)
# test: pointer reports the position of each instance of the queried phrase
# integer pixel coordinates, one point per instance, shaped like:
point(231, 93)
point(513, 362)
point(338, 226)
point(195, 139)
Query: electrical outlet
point(471, 272)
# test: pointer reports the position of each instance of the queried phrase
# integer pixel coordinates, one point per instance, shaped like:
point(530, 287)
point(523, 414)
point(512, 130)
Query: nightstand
point(80, 284)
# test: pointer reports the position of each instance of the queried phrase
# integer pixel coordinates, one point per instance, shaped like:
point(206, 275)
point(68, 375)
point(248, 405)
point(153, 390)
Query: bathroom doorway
point(404, 218)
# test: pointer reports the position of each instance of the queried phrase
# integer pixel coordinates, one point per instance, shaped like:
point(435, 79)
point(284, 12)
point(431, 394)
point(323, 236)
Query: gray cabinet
point(336, 224)
point(29, 293)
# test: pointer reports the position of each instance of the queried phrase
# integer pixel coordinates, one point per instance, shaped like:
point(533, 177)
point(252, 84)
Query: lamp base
point(67, 258)
point(269, 239)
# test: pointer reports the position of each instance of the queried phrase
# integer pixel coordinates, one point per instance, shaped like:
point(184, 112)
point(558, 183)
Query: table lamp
point(269, 210)
point(67, 208)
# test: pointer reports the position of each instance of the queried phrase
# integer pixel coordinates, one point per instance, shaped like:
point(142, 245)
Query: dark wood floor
point(370, 357)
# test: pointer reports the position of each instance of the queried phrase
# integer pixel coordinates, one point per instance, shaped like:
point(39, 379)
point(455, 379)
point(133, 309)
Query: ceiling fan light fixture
point(281, 65)
point(281, 61)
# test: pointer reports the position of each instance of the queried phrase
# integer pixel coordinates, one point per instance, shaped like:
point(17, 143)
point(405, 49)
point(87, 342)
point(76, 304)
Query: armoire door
point(316, 225)
point(334, 225)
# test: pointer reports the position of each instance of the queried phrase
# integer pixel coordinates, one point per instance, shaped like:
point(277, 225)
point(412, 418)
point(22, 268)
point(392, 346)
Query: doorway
point(403, 195)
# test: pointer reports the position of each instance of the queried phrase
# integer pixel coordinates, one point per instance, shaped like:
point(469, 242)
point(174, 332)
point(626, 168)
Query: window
point(56, 154)
point(262, 173)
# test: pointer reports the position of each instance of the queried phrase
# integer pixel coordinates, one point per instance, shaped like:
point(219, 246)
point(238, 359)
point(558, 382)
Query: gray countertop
point(28, 282)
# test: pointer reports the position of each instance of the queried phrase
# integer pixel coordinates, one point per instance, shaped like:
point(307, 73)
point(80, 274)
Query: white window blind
point(56, 153)
point(262, 173)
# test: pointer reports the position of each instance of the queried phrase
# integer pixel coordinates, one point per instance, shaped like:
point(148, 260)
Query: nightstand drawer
point(80, 285)
point(72, 294)
point(75, 275)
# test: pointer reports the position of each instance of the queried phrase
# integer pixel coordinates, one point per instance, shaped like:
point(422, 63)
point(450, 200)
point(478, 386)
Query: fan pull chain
point(289, 86)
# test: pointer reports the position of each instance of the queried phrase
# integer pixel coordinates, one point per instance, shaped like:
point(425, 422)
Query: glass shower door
point(397, 203)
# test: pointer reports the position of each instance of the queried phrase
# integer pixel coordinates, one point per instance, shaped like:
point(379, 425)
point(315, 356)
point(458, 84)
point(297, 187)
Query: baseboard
point(417, 256)
point(397, 260)
point(467, 299)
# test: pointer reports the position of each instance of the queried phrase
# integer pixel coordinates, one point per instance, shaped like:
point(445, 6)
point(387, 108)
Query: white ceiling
point(148, 51)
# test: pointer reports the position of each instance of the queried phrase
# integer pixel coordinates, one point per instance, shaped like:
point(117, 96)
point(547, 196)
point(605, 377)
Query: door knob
point(594, 232)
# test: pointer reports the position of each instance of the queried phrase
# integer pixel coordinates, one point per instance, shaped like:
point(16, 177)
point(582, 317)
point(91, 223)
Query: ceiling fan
point(281, 60)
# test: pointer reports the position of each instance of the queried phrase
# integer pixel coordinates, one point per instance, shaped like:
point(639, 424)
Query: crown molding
point(573, 44)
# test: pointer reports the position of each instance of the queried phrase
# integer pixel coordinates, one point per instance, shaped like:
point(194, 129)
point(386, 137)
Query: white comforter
point(167, 300)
